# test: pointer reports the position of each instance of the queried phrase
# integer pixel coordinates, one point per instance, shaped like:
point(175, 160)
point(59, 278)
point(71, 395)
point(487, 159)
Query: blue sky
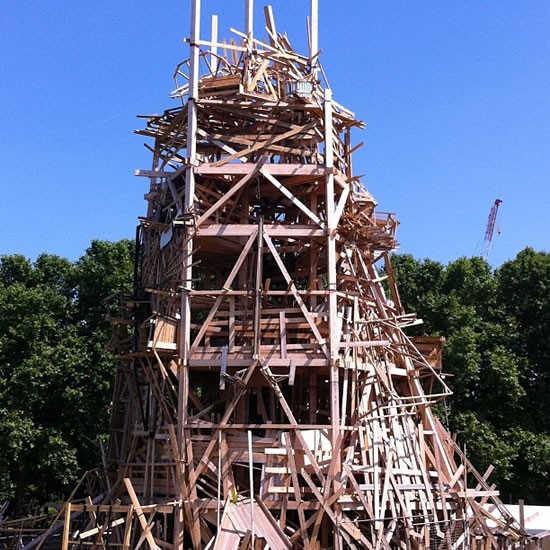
point(455, 94)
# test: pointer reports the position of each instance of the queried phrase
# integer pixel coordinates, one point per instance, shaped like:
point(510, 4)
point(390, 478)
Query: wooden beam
point(66, 527)
point(139, 512)
point(249, 17)
point(276, 170)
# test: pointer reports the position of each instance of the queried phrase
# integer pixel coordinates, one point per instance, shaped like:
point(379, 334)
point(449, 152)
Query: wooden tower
point(267, 394)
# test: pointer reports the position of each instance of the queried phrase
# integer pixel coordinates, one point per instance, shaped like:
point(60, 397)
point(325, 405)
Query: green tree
point(497, 350)
point(105, 268)
point(54, 373)
point(524, 292)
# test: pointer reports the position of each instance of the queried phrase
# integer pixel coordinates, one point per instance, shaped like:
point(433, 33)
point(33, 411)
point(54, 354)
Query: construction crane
point(490, 229)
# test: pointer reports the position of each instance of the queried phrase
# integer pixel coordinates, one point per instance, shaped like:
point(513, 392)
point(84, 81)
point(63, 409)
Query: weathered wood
point(276, 170)
point(66, 528)
point(139, 512)
point(264, 342)
point(243, 181)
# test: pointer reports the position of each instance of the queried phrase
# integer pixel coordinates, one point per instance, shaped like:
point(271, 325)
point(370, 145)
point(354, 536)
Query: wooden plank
point(297, 491)
point(274, 524)
point(223, 367)
point(128, 528)
point(249, 17)
point(282, 333)
point(457, 475)
point(139, 512)
point(347, 531)
point(231, 343)
point(291, 373)
point(257, 289)
point(214, 47)
point(314, 31)
point(364, 344)
point(66, 527)
point(226, 230)
point(276, 170)
point(264, 144)
point(342, 200)
point(332, 488)
point(97, 530)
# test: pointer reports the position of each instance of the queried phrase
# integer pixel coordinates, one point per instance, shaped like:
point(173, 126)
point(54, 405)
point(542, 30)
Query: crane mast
point(490, 230)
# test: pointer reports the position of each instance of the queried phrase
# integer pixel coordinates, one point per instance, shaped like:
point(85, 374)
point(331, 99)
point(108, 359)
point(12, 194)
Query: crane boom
point(489, 232)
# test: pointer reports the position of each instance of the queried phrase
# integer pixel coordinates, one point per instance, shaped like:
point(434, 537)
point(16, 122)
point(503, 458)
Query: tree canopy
point(496, 325)
point(55, 374)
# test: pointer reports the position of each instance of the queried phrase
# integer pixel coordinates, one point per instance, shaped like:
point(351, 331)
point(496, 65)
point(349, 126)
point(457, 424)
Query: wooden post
point(251, 483)
point(214, 40)
point(128, 528)
point(219, 495)
point(191, 104)
point(189, 174)
point(258, 289)
point(139, 512)
point(187, 257)
point(270, 25)
point(331, 271)
point(521, 505)
point(334, 336)
point(66, 527)
point(314, 47)
point(187, 272)
point(249, 18)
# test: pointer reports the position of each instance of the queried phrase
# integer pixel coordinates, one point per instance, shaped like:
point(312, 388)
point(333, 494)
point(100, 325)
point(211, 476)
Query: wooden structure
point(267, 394)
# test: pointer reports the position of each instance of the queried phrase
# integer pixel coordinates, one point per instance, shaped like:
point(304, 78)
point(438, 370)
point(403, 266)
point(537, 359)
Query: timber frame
point(267, 395)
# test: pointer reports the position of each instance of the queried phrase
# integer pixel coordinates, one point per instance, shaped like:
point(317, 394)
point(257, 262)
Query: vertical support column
point(314, 46)
point(187, 271)
point(258, 289)
point(187, 268)
point(334, 337)
point(251, 482)
point(214, 40)
point(313, 252)
point(249, 17)
point(191, 104)
point(66, 527)
point(331, 270)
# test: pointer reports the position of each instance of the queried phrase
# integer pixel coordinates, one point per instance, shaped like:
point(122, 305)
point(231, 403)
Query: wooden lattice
point(267, 394)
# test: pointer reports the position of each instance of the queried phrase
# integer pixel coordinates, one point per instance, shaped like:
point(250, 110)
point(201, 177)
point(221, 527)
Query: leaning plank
point(139, 512)
point(297, 495)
